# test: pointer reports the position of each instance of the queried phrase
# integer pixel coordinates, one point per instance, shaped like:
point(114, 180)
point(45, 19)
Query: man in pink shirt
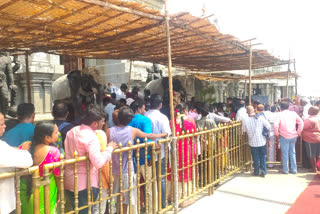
point(311, 136)
point(285, 129)
point(84, 140)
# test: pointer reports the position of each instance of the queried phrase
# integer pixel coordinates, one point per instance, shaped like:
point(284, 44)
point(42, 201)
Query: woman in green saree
point(45, 133)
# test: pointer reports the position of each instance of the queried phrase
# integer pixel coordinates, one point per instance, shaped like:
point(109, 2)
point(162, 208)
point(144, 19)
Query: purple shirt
point(121, 135)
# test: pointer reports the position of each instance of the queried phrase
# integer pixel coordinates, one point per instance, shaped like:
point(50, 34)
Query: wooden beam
point(75, 32)
point(174, 157)
point(122, 9)
point(287, 88)
point(295, 79)
point(28, 77)
point(21, 22)
point(5, 5)
point(103, 40)
point(250, 84)
point(233, 44)
point(129, 79)
point(44, 25)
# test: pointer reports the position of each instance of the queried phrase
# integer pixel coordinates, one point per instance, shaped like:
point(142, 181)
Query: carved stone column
point(44, 69)
point(236, 88)
point(221, 91)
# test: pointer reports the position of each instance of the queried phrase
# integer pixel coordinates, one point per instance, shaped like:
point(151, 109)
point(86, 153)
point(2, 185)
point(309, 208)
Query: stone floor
point(243, 193)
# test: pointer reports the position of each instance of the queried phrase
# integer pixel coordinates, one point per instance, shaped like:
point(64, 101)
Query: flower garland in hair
point(179, 120)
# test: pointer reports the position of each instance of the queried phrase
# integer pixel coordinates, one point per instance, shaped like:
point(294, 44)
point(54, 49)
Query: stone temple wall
point(44, 69)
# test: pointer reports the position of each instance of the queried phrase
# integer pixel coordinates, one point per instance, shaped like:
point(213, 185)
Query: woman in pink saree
point(186, 151)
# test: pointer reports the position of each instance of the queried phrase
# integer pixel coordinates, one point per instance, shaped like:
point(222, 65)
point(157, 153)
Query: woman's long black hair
point(42, 129)
point(180, 108)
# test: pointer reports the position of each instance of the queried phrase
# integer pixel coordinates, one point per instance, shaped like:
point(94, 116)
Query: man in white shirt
point(10, 157)
point(271, 117)
point(305, 103)
point(217, 118)
point(242, 112)
point(159, 124)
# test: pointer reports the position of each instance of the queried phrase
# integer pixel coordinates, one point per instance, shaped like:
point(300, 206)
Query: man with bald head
point(257, 142)
point(311, 136)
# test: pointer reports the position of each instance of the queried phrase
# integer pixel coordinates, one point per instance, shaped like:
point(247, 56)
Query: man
point(305, 104)
point(242, 112)
point(6, 79)
point(270, 115)
point(257, 142)
point(285, 129)
point(143, 123)
point(217, 118)
point(311, 136)
point(84, 140)
point(159, 124)
point(109, 109)
point(204, 122)
point(60, 113)
point(10, 157)
point(24, 130)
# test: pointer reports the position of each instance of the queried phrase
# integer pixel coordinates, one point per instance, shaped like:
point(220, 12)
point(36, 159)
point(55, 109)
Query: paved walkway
point(243, 193)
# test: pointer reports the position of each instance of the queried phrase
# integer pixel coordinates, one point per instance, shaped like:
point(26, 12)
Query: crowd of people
point(132, 118)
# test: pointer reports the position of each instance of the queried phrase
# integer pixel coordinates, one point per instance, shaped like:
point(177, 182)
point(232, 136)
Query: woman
point(186, 148)
point(42, 151)
point(311, 136)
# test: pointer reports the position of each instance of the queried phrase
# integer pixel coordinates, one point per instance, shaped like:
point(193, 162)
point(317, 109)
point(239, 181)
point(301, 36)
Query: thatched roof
point(116, 29)
point(230, 77)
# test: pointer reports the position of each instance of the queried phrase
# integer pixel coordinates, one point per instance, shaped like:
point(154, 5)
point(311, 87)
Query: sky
point(282, 26)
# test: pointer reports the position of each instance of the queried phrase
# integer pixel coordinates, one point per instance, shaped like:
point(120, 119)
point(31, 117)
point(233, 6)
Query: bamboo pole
point(174, 167)
point(129, 80)
point(122, 9)
point(245, 89)
point(287, 88)
point(28, 77)
point(250, 68)
point(295, 79)
point(186, 82)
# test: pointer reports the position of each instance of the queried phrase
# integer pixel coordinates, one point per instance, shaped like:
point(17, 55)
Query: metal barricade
point(198, 160)
point(274, 154)
point(215, 155)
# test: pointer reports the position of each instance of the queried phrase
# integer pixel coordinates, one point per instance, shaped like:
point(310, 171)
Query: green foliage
point(207, 94)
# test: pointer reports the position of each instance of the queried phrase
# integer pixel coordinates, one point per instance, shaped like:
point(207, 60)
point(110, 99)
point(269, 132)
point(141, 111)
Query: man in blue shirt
point(60, 114)
point(144, 124)
point(24, 130)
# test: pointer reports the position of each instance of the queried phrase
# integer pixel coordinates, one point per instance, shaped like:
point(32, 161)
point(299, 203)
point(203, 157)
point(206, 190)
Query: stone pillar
point(267, 92)
point(221, 91)
point(236, 88)
point(272, 91)
point(277, 93)
point(44, 69)
point(47, 85)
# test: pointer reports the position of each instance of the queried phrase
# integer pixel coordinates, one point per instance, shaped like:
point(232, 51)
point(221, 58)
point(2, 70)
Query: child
point(122, 133)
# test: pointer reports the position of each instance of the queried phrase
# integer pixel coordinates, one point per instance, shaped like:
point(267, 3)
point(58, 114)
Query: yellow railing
point(212, 155)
